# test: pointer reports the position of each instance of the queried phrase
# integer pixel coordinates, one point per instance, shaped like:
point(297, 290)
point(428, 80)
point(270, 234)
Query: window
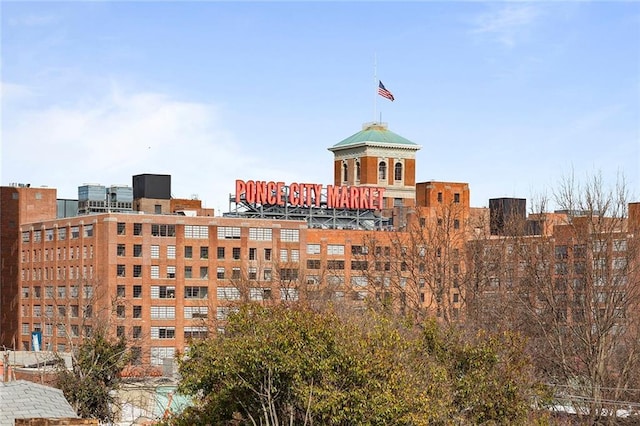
point(163, 292)
point(220, 273)
point(137, 229)
point(295, 255)
point(155, 271)
point(259, 294)
point(157, 208)
point(228, 233)
point(313, 248)
point(158, 355)
point(359, 265)
point(456, 224)
point(397, 171)
point(344, 171)
point(120, 291)
point(357, 171)
point(88, 231)
point(88, 311)
point(359, 281)
point(199, 232)
point(253, 273)
point(204, 252)
point(195, 332)
point(267, 254)
point(222, 312)
point(288, 274)
point(136, 355)
point(204, 272)
point(235, 273)
point(188, 252)
point(137, 271)
point(137, 311)
point(121, 228)
point(290, 235)
point(358, 250)
point(196, 312)
point(74, 311)
point(382, 170)
point(188, 273)
point(155, 252)
point(121, 250)
point(195, 292)
point(163, 333)
point(120, 311)
point(62, 234)
point(163, 312)
point(284, 255)
point(252, 253)
point(75, 233)
point(335, 249)
point(619, 245)
point(289, 294)
point(48, 292)
point(48, 235)
point(456, 297)
point(267, 274)
point(220, 252)
point(137, 291)
point(456, 197)
point(228, 293)
point(171, 252)
point(313, 263)
point(360, 295)
point(260, 234)
point(163, 230)
point(236, 253)
point(335, 264)
point(136, 332)
point(121, 270)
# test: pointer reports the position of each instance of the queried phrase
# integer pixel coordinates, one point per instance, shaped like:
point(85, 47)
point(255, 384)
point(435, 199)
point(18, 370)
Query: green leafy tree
point(88, 386)
point(290, 365)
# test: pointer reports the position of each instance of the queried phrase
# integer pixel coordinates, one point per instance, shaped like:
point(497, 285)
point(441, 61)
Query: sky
point(510, 97)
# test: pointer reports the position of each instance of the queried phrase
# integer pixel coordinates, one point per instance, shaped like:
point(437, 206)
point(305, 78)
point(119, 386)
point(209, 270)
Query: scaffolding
point(316, 217)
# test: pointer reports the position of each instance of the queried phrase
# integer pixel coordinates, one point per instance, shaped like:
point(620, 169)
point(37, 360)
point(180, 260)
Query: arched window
point(382, 170)
point(398, 171)
point(344, 172)
point(357, 171)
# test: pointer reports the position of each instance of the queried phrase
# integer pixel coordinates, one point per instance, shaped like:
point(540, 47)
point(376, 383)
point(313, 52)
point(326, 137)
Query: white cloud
point(110, 139)
point(508, 23)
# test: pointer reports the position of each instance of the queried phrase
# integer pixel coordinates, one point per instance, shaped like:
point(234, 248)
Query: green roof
point(376, 134)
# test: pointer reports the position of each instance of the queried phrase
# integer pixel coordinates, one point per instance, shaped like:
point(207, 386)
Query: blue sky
point(508, 96)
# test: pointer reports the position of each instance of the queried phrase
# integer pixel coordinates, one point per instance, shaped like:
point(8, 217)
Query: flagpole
point(375, 85)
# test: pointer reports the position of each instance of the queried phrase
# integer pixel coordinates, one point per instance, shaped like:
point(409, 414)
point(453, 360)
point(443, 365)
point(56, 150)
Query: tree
point(290, 365)
point(89, 385)
point(571, 288)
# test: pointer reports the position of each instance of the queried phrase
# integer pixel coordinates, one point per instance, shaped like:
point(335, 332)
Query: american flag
point(382, 91)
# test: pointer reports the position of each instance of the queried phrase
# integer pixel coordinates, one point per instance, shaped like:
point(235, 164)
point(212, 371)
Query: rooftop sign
point(309, 195)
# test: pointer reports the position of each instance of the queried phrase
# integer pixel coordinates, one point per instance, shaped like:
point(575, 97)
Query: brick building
point(161, 271)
